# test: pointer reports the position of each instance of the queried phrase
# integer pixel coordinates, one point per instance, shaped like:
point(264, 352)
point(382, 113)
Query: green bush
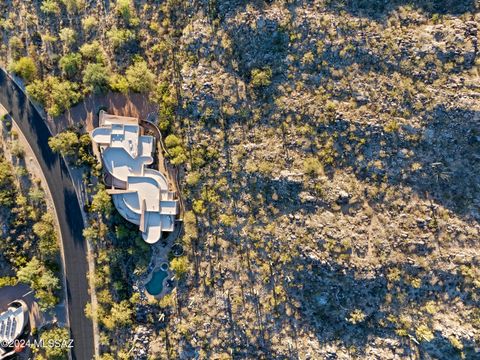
point(59, 336)
point(16, 46)
point(8, 281)
point(45, 230)
point(65, 143)
point(139, 76)
point(6, 184)
point(102, 203)
point(179, 266)
point(93, 51)
point(18, 150)
point(42, 280)
point(50, 7)
point(312, 166)
point(164, 96)
point(70, 64)
point(73, 6)
point(53, 93)
point(119, 83)
point(68, 36)
point(96, 77)
point(356, 316)
point(423, 333)
point(120, 37)
point(25, 68)
point(89, 23)
point(261, 77)
point(176, 152)
point(126, 10)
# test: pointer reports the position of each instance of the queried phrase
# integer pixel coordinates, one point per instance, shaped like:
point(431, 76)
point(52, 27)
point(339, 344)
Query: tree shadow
point(270, 42)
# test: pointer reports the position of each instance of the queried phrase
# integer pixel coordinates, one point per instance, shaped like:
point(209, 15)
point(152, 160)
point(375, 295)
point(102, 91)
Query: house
point(12, 326)
point(141, 194)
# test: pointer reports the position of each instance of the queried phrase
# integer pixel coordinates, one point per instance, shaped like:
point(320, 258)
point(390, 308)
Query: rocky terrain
point(331, 152)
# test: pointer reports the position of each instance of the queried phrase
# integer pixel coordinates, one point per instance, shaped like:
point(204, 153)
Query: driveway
point(69, 215)
point(22, 292)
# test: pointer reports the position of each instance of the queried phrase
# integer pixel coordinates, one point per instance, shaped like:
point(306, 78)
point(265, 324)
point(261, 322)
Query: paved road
point(69, 215)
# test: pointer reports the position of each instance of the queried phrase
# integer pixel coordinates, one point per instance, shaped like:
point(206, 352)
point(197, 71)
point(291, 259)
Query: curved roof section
point(13, 321)
point(101, 135)
point(154, 229)
point(124, 209)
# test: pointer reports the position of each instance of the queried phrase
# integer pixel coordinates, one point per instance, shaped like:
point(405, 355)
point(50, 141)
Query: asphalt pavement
point(68, 210)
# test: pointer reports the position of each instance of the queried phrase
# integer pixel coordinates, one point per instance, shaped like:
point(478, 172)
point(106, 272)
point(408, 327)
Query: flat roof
point(12, 322)
point(144, 197)
point(109, 119)
point(147, 189)
point(121, 165)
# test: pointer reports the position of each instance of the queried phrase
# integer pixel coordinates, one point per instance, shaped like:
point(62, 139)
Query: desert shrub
point(423, 333)
point(73, 6)
point(65, 143)
point(139, 77)
point(53, 93)
point(96, 77)
point(261, 77)
point(6, 183)
point(119, 83)
point(312, 166)
point(16, 46)
point(59, 336)
point(50, 7)
point(180, 266)
point(93, 51)
point(89, 23)
point(165, 98)
point(45, 230)
point(102, 203)
point(356, 316)
point(42, 280)
point(70, 64)
point(25, 68)
point(120, 37)
point(176, 151)
point(126, 10)
point(18, 150)
point(68, 36)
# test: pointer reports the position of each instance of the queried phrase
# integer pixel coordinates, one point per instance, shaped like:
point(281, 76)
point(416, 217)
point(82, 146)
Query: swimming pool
point(155, 285)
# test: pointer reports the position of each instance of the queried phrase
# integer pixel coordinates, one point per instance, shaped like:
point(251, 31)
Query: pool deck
point(160, 256)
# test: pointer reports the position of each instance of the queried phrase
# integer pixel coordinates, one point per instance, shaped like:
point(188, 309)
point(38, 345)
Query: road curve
point(68, 210)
